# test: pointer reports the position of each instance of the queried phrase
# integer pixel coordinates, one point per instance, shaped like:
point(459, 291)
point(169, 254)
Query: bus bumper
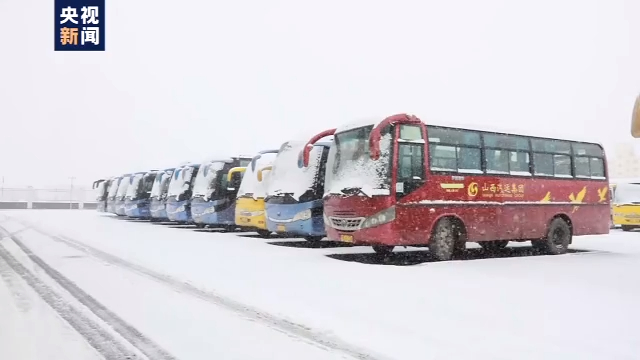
point(250, 213)
point(205, 213)
point(380, 235)
point(281, 218)
point(179, 211)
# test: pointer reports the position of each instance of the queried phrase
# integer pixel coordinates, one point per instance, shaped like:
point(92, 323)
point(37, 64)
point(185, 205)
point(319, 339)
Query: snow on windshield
point(287, 177)
point(122, 188)
point(160, 183)
point(99, 191)
point(134, 185)
point(627, 194)
point(179, 181)
point(250, 184)
point(350, 166)
point(204, 184)
point(113, 188)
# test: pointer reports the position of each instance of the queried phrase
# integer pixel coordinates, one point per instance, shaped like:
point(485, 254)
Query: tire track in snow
point(288, 327)
point(101, 340)
point(150, 349)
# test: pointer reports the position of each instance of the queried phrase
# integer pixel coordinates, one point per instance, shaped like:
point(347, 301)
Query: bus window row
point(465, 151)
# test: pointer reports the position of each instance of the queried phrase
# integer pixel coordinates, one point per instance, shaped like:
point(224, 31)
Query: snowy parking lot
point(83, 285)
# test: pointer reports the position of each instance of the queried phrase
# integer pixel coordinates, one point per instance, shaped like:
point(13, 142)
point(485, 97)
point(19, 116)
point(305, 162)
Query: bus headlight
point(383, 217)
point(180, 208)
point(303, 215)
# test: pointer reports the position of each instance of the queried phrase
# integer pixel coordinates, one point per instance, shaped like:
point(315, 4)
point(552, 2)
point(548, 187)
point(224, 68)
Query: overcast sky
point(183, 81)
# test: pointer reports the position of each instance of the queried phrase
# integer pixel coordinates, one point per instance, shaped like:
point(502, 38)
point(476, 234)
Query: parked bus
point(111, 194)
point(101, 188)
point(121, 194)
point(296, 187)
point(625, 203)
point(214, 193)
point(250, 211)
point(178, 204)
point(403, 183)
point(138, 199)
point(159, 191)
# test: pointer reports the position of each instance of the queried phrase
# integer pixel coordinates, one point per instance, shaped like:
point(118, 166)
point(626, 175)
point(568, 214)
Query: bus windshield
point(350, 168)
point(286, 179)
point(134, 185)
point(627, 194)
point(205, 183)
point(180, 181)
point(250, 186)
point(113, 188)
point(100, 190)
point(122, 188)
point(161, 184)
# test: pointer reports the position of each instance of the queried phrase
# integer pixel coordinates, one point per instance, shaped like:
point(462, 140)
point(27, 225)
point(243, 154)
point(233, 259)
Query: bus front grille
point(346, 224)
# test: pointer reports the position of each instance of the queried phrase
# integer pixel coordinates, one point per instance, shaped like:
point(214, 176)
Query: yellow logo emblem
point(472, 189)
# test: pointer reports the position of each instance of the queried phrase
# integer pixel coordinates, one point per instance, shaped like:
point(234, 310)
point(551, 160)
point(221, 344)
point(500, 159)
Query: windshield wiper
point(280, 193)
point(354, 191)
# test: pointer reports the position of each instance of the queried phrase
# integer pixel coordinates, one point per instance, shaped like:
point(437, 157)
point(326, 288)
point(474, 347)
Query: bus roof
point(545, 134)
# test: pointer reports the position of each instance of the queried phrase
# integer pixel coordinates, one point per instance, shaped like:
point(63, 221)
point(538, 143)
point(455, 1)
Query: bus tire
point(557, 240)
point(627, 228)
point(443, 240)
point(264, 233)
point(312, 238)
point(493, 246)
point(383, 249)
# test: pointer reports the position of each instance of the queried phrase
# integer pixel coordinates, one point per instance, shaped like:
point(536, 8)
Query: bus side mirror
point(261, 171)
point(635, 119)
point(234, 178)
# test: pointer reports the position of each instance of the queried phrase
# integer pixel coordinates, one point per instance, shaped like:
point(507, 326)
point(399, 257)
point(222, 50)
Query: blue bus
point(158, 210)
point(138, 200)
point(111, 194)
point(121, 194)
point(178, 204)
point(294, 196)
point(213, 202)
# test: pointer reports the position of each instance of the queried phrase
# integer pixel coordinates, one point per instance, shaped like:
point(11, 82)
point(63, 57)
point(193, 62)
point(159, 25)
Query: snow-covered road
point(81, 285)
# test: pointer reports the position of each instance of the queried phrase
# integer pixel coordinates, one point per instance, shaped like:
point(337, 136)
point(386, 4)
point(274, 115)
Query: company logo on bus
point(472, 189)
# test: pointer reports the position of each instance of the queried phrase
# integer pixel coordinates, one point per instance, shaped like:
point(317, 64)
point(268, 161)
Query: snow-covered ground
point(81, 285)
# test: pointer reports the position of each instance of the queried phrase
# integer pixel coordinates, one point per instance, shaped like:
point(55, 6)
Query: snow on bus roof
point(366, 121)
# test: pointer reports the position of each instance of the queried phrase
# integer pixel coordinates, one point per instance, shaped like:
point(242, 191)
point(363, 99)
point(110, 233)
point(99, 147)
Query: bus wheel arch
point(448, 236)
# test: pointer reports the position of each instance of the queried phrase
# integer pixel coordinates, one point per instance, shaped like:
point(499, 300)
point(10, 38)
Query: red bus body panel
point(491, 208)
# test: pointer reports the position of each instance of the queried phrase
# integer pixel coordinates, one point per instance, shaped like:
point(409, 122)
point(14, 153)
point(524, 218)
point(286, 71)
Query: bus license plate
point(282, 228)
point(346, 238)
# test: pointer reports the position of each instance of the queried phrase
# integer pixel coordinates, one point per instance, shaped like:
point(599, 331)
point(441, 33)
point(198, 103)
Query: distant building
point(624, 162)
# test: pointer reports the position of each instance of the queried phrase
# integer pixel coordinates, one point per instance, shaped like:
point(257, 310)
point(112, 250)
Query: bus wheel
point(313, 238)
point(443, 241)
point(493, 246)
point(264, 233)
point(383, 249)
point(627, 228)
point(557, 240)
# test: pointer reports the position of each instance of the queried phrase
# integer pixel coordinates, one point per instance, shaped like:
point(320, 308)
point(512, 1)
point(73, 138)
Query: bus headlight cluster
point(209, 210)
point(303, 215)
point(383, 217)
point(252, 213)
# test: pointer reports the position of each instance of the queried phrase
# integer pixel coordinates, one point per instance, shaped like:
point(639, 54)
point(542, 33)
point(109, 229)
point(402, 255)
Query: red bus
point(400, 182)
